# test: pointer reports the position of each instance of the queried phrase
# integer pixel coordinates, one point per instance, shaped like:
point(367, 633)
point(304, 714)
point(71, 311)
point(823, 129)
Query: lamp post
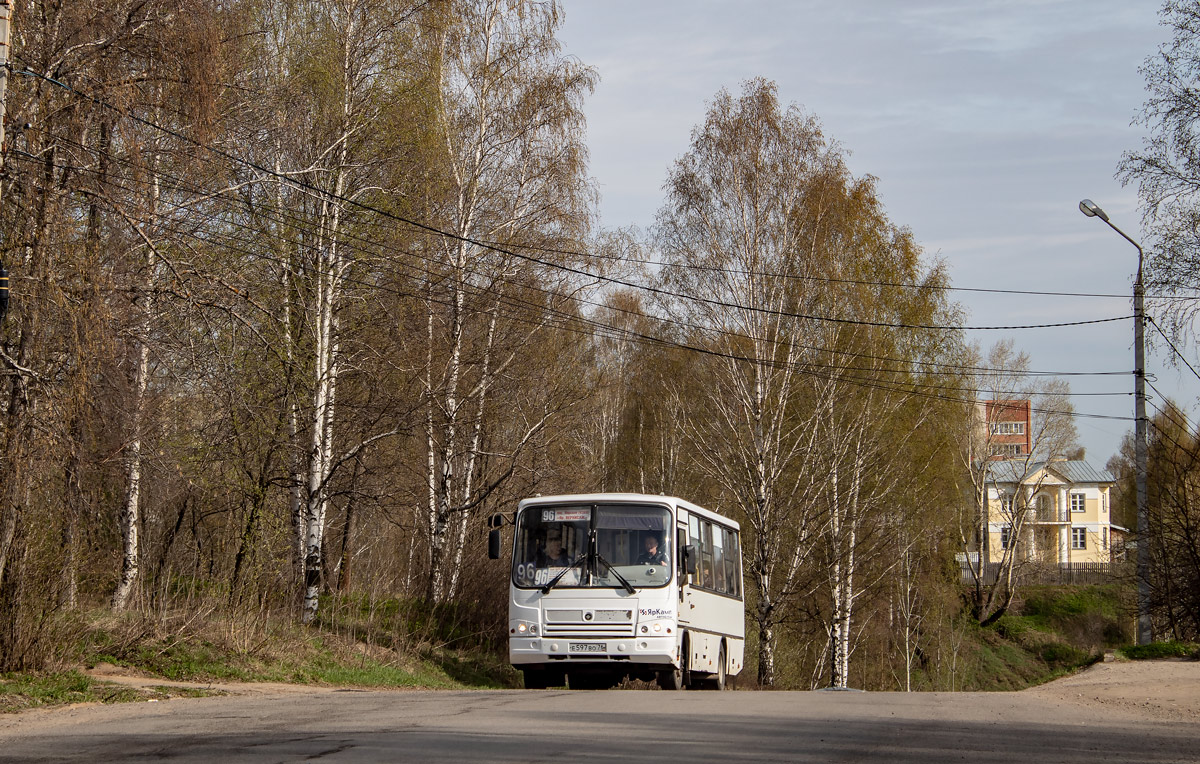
point(1092, 210)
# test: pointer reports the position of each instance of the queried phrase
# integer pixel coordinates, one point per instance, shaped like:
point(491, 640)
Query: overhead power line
point(364, 246)
point(821, 279)
point(1174, 349)
point(431, 229)
point(309, 188)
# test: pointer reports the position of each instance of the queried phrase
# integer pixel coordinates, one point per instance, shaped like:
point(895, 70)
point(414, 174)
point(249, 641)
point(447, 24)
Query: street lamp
point(1092, 210)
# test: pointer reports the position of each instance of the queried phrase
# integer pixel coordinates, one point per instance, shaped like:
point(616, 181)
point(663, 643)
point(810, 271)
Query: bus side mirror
point(495, 521)
point(689, 558)
point(494, 544)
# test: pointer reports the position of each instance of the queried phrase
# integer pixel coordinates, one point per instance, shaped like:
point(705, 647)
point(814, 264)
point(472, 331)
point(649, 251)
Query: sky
point(985, 122)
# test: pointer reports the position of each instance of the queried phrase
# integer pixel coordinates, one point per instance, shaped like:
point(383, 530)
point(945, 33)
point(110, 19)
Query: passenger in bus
point(553, 556)
point(719, 578)
point(652, 555)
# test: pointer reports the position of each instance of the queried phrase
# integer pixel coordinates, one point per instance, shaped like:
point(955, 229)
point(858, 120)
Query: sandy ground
point(106, 672)
point(1163, 690)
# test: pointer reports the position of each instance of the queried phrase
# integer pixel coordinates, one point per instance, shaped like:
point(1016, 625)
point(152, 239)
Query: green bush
point(1060, 654)
point(1162, 650)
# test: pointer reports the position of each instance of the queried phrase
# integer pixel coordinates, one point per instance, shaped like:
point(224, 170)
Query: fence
point(1041, 573)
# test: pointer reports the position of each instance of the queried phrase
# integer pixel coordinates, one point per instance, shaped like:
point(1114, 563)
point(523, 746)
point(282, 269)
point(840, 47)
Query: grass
point(291, 653)
point(1158, 650)
point(378, 645)
point(1052, 631)
point(1066, 627)
point(19, 692)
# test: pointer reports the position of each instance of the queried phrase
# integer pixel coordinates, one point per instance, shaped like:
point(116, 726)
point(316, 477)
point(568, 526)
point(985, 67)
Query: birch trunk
point(329, 276)
point(324, 407)
point(473, 451)
point(296, 484)
point(130, 519)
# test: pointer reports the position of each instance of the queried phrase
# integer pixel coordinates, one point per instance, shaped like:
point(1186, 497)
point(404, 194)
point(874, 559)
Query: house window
point(1006, 504)
point(1007, 449)
point(1008, 428)
point(1079, 538)
point(1104, 537)
point(1005, 536)
point(1076, 502)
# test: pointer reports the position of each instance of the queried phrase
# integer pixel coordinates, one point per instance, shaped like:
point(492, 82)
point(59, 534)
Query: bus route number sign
point(566, 515)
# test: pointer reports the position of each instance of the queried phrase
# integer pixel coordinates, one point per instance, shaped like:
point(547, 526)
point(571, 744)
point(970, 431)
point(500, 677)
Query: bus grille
point(589, 623)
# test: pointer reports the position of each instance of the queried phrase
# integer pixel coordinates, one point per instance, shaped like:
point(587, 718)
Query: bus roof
point(634, 498)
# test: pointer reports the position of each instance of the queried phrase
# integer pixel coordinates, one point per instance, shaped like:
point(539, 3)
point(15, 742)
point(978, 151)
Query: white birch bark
point(329, 275)
point(130, 517)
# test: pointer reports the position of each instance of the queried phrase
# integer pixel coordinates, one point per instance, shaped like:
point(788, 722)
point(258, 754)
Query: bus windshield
point(593, 546)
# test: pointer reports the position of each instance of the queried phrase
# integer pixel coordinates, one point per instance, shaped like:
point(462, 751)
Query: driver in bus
point(553, 556)
point(652, 555)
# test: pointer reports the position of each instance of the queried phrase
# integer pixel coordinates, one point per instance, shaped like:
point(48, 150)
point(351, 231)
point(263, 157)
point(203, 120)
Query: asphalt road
point(561, 726)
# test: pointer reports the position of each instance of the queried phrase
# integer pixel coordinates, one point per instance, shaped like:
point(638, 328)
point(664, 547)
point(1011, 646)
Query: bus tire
point(719, 679)
point(686, 677)
point(671, 679)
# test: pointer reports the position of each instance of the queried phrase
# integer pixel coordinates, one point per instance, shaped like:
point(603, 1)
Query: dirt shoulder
point(106, 672)
point(1160, 690)
point(1166, 690)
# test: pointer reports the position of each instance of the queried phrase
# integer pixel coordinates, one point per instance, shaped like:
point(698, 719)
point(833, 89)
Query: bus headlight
point(524, 628)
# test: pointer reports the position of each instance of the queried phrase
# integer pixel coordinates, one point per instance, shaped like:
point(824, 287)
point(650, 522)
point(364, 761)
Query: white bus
point(610, 585)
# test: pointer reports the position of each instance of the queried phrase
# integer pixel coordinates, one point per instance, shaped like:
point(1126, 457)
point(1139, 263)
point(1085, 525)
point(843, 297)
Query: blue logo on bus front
point(656, 612)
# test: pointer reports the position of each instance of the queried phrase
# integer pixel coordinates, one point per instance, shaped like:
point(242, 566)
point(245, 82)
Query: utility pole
point(1141, 453)
point(1140, 427)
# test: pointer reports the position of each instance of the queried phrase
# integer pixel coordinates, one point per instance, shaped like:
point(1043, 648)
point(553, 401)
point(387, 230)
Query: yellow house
point(1050, 512)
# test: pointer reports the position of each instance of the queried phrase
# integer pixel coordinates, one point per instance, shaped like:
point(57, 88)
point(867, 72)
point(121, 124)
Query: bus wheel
point(687, 678)
point(670, 679)
point(718, 681)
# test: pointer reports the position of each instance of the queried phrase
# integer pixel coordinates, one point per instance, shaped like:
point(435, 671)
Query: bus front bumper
point(660, 651)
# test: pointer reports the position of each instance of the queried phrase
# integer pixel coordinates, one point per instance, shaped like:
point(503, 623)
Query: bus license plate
point(587, 647)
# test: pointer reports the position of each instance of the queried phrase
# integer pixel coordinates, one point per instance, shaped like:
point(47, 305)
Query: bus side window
point(732, 574)
point(718, 549)
point(706, 556)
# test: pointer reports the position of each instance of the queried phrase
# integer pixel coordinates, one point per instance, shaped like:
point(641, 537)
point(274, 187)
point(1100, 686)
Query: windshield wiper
point(554, 581)
point(628, 586)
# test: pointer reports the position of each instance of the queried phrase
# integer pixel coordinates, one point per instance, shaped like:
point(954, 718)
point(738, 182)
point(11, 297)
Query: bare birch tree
point(509, 129)
point(776, 251)
point(733, 231)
